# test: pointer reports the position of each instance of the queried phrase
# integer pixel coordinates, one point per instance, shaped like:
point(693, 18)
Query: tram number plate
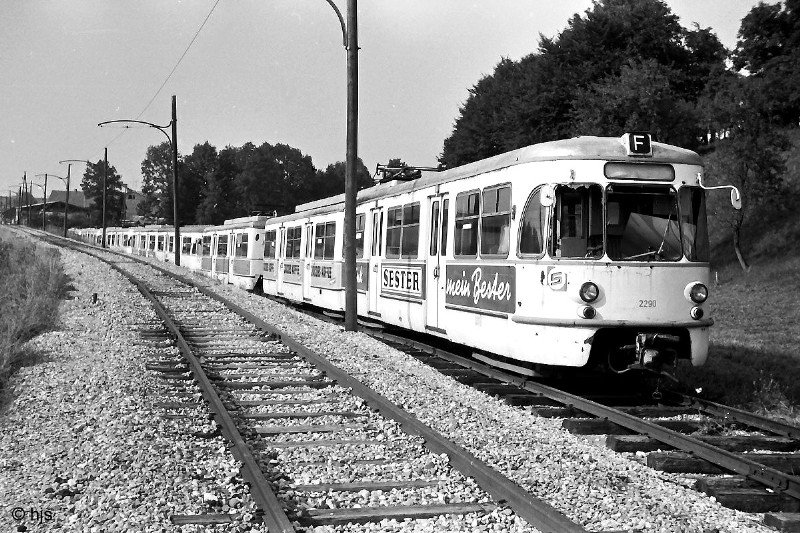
point(647, 303)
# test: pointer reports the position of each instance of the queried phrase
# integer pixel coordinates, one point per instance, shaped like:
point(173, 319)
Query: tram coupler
point(654, 350)
point(651, 352)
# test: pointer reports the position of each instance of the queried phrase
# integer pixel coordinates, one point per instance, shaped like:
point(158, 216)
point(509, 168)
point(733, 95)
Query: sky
point(260, 71)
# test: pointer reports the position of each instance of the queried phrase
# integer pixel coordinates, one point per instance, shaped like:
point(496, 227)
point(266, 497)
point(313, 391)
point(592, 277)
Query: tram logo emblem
point(556, 279)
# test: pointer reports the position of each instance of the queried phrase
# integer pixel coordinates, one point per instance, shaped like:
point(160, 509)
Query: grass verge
point(753, 360)
point(32, 281)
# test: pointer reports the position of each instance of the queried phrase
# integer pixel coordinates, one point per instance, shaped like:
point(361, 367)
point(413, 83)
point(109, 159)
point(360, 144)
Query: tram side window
point(445, 213)
point(466, 232)
point(578, 228)
point(206, 248)
point(186, 247)
point(326, 239)
point(360, 236)
point(402, 231)
point(241, 245)
point(496, 221)
point(222, 246)
point(309, 240)
point(152, 242)
point(531, 227)
point(269, 245)
point(377, 231)
point(293, 236)
point(434, 228)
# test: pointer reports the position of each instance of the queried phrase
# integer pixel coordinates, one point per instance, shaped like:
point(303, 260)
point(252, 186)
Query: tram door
point(375, 261)
point(434, 269)
point(280, 253)
point(308, 257)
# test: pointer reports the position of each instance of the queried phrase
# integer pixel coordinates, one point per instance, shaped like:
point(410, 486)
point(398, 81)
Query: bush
point(32, 281)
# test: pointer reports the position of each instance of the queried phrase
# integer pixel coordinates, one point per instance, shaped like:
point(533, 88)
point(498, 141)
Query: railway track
point(315, 444)
point(746, 461)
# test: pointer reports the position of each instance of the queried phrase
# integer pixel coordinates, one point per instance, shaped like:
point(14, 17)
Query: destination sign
point(270, 270)
point(491, 288)
point(291, 272)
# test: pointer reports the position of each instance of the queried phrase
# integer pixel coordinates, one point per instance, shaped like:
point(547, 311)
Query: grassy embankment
point(753, 359)
point(32, 281)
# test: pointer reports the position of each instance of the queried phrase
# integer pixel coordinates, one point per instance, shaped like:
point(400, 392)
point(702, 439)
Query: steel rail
point(771, 477)
point(274, 516)
point(536, 512)
point(744, 417)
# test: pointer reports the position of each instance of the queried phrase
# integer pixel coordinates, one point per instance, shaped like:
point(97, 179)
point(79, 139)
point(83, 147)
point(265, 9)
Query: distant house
point(132, 201)
point(76, 198)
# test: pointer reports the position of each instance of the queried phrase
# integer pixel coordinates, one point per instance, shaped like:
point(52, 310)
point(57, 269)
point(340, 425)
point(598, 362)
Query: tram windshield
point(641, 223)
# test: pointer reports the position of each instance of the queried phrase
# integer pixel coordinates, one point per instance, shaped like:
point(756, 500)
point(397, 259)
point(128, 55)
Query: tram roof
point(576, 148)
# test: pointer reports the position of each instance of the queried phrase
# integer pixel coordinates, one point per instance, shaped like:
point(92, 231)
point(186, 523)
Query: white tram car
point(590, 250)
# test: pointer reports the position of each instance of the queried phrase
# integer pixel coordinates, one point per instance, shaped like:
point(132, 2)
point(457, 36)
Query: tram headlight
point(587, 311)
point(696, 292)
point(589, 292)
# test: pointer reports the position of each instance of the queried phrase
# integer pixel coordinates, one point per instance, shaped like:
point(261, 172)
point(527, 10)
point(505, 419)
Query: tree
point(218, 195)
point(194, 172)
point(92, 186)
point(769, 49)
point(330, 182)
point(640, 98)
point(157, 183)
point(750, 156)
point(273, 178)
point(548, 95)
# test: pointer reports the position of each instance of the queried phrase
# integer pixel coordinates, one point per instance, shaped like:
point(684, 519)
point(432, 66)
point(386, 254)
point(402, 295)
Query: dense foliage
point(628, 65)
point(625, 65)
point(237, 181)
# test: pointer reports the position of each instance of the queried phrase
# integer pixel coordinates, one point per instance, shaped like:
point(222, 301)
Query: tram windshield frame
point(629, 222)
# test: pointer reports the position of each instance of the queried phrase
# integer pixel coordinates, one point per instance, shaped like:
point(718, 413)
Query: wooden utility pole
point(350, 190)
point(176, 224)
point(105, 176)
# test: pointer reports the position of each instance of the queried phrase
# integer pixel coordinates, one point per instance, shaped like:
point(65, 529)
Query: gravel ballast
point(82, 446)
point(592, 485)
point(83, 423)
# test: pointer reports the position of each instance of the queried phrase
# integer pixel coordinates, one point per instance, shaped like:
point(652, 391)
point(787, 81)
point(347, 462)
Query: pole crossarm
point(123, 121)
point(341, 22)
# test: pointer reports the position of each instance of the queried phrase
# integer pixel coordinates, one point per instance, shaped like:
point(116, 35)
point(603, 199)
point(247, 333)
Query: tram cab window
point(269, 245)
point(241, 245)
point(495, 222)
point(222, 245)
point(293, 236)
point(694, 227)
point(206, 247)
point(532, 226)
point(466, 232)
point(186, 246)
point(325, 241)
point(360, 235)
point(642, 223)
point(402, 231)
point(160, 242)
point(578, 222)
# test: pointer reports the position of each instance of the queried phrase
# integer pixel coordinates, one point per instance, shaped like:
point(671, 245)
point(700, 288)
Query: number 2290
point(647, 303)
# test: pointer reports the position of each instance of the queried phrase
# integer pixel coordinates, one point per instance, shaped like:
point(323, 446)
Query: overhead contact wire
point(177, 64)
